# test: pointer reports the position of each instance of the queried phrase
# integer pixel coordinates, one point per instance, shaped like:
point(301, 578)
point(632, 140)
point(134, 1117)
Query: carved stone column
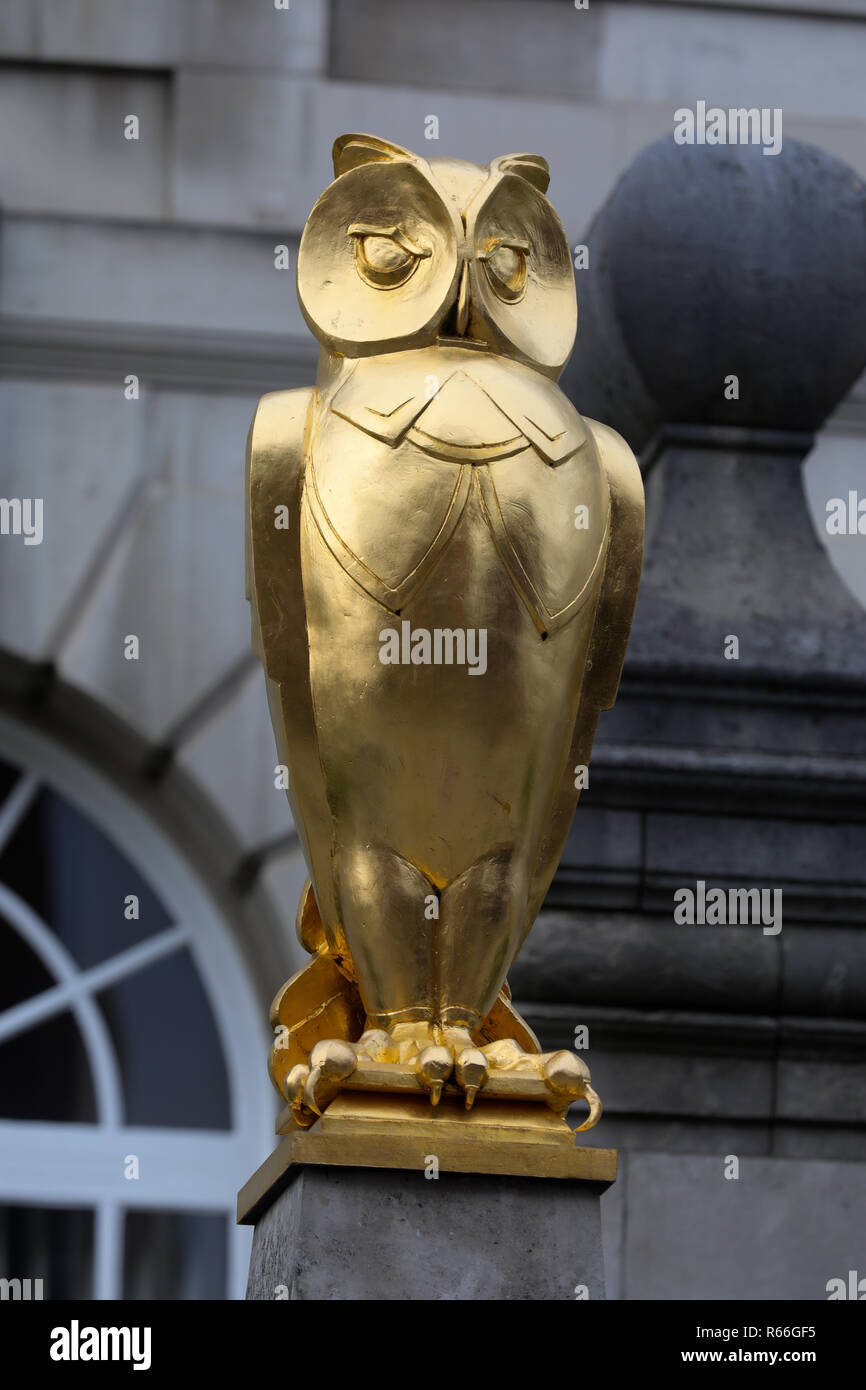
point(741, 764)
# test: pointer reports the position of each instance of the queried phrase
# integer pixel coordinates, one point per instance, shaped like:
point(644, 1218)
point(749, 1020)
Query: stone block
point(163, 33)
point(45, 426)
point(818, 866)
point(556, 54)
point(814, 1089)
point(242, 149)
point(779, 1231)
point(686, 1085)
point(824, 973)
point(690, 1135)
point(641, 961)
point(647, 49)
point(387, 1234)
point(175, 578)
point(164, 278)
point(70, 155)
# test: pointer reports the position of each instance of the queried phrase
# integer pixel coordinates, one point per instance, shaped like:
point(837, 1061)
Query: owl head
point(401, 252)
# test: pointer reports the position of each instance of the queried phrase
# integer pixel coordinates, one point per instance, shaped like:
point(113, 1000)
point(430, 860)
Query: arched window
point(130, 1043)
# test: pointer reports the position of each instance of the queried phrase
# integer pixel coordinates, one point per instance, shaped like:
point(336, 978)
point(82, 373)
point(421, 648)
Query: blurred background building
point(148, 868)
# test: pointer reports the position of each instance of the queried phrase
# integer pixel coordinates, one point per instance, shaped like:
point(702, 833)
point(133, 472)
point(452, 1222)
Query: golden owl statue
point(443, 558)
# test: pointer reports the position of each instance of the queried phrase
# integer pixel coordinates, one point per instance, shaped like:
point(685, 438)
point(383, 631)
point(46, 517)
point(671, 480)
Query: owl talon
point(565, 1074)
point(593, 1100)
point(331, 1061)
point(334, 1058)
point(293, 1085)
point(471, 1073)
point(294, 1090)
point(313, 1079)
point(434, 1068)
point(567, 1077)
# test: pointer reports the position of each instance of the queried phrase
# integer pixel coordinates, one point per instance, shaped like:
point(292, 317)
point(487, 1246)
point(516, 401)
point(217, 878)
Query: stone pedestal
point(386, 1233)
point(387, 1197)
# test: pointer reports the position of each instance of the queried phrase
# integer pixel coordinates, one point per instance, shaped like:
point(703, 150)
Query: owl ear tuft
point(350, 151)
point(532, 167)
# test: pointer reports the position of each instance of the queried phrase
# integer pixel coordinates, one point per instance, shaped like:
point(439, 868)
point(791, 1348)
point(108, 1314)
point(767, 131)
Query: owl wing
point(608, 643)
point(276, 449)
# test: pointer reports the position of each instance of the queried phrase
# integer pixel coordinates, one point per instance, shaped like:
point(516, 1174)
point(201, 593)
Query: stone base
point(366, 1233)
point(362, 1233)
point(389, 1197)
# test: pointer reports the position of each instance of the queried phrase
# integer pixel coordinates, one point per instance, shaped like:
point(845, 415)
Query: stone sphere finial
point(713, 261)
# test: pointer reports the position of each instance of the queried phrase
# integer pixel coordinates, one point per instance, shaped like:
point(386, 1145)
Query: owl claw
point(293, 1086)
point(331, 1061)
point(295, 1092)
point(334, 1058)
point(313, 1079)
point(593, 1100)
point(567, 1077)
point(434, 1067)
point(471, 1073)
point(565, 1073)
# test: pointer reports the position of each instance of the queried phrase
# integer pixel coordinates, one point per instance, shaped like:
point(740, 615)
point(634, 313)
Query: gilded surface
point(443, 559)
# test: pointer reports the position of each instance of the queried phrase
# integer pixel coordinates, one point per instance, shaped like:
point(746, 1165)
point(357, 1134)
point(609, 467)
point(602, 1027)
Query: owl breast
point(399, 451)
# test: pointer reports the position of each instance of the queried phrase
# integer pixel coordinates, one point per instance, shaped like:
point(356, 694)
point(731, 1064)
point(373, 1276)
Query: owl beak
point(457, 326)
point(463, 326)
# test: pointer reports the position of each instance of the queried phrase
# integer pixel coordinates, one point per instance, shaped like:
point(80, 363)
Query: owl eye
point(504, 261)
point(385, 256)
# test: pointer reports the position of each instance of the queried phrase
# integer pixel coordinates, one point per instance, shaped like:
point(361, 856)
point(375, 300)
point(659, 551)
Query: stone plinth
point(380, 1233)
point(386, 1197)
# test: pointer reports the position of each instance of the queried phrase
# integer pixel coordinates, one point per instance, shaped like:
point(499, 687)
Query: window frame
point(60, 1164)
